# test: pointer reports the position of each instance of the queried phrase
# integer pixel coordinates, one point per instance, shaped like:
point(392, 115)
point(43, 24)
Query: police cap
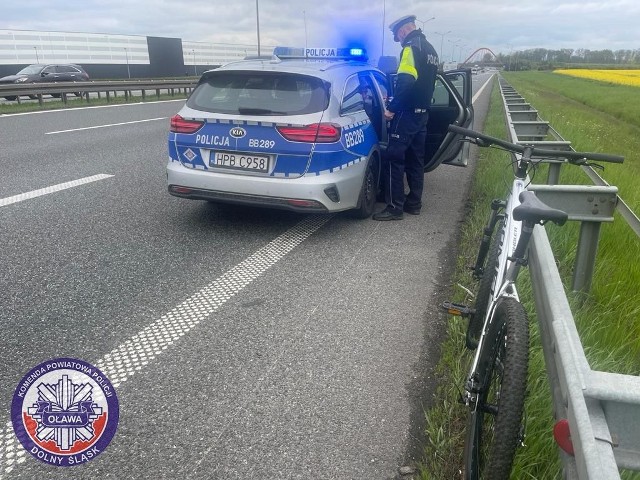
point(395, 26)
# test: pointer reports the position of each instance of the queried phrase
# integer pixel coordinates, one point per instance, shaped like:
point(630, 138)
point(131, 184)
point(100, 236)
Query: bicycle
point(498, 329)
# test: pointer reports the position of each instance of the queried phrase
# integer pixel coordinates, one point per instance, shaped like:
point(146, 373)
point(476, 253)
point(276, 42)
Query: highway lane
point(317, 367)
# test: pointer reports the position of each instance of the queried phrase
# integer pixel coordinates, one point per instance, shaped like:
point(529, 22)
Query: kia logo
point(238, 132)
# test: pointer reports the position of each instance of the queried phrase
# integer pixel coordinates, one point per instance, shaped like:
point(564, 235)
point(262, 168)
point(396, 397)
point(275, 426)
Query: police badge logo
point(65, 412)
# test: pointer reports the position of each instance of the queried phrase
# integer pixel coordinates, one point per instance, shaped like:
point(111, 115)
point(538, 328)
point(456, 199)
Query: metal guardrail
point(546, 137)
point(83, 89)
point(602, 408)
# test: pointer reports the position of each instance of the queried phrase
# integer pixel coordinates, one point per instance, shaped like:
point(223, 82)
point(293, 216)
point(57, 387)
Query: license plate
point(241, 161)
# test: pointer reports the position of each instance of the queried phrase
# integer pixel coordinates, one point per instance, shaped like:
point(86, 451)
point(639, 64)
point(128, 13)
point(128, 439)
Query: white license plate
point(242, 161)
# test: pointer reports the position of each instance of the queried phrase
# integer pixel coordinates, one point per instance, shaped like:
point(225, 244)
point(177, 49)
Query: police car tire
point(368, 191)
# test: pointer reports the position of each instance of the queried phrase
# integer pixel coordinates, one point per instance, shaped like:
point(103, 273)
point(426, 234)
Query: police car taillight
point(180, 125)
point(314, 133)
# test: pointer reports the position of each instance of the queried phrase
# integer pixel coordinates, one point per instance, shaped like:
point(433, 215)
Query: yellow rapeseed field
point(623, 77)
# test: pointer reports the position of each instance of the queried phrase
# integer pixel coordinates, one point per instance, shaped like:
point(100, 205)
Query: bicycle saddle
point(535, 210)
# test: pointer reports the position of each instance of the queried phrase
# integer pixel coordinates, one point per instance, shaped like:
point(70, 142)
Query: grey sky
point(500, 25)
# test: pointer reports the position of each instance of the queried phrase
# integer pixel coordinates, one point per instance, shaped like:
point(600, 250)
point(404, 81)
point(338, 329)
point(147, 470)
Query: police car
point(302, 131)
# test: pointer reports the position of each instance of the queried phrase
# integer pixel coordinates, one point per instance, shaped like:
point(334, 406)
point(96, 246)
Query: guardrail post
point(586, 256)
point(590, 205)
point(553, 177)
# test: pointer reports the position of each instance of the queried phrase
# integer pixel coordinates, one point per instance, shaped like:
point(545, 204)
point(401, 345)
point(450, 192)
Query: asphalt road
point(243, 343)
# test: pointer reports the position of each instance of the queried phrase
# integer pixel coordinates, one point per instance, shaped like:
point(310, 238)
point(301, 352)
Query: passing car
point(303, 131)
point(46, 73)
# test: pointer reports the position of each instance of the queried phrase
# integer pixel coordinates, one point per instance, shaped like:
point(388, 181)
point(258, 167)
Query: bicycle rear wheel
point(484, 290)
point(494, 427)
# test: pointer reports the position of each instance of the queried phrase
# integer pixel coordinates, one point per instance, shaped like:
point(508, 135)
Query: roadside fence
point(601, 409)
point(108, 88)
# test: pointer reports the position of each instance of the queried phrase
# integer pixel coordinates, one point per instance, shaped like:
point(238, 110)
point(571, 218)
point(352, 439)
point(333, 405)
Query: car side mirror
point(44, 74)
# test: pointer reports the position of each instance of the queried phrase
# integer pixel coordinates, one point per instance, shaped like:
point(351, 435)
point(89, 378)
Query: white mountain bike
point(498, 328)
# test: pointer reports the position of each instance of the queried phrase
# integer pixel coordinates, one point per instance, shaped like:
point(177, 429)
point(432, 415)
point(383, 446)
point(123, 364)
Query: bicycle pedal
point(458, 309)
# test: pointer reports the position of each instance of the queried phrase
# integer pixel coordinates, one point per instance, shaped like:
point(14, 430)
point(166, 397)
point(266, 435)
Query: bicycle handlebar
point(483, 140)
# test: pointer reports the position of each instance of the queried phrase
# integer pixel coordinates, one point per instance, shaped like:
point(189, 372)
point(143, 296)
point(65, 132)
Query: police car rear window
point(259, 93)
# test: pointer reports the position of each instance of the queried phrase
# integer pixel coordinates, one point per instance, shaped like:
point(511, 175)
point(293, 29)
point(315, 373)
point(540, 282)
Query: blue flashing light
point(321, 53)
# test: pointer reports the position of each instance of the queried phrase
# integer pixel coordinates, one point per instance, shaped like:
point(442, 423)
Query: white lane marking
point(106, 125)
point(53, 188)
point(137, 352)
point(479, 92)
point(40, 112)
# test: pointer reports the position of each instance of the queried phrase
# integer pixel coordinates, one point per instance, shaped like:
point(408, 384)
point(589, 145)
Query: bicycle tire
point(494, 427)
point(476, 321)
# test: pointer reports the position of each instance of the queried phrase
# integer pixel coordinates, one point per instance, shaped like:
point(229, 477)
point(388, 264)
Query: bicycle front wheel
point(495, 424)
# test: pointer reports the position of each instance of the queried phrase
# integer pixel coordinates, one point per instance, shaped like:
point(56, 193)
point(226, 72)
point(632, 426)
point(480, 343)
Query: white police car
point(302, 131)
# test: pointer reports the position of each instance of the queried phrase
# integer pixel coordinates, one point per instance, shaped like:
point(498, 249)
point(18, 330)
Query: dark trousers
point(405, 154)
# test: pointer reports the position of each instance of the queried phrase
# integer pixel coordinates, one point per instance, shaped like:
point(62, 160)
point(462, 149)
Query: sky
point(456, 28)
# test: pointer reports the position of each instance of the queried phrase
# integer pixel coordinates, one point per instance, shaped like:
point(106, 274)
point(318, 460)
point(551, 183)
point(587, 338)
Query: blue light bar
point(322, 53)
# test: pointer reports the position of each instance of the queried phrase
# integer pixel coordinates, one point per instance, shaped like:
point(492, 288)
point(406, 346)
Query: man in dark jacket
point(408, 113)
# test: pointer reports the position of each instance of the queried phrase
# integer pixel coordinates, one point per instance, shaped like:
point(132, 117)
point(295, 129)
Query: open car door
point(451, 104)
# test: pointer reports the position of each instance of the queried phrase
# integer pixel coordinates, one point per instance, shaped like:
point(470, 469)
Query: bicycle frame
point(498, 330)
point(510, 260)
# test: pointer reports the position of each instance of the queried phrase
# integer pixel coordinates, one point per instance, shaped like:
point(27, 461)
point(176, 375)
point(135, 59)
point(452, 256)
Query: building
point(117, 56)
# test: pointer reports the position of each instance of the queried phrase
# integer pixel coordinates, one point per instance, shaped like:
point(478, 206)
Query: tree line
point(541, 58)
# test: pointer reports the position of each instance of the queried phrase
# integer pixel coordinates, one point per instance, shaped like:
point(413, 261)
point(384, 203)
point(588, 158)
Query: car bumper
point(330, 192)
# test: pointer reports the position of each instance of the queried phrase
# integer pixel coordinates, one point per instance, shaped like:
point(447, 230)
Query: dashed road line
point(52, 189)
point(137, 352)
point(106, 125)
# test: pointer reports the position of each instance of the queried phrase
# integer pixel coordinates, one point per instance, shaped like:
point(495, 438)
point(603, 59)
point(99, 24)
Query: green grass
point(608, 320)
point(614, 340)
point(619, 101)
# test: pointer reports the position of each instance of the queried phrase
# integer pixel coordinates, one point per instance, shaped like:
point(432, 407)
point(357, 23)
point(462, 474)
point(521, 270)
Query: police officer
point(408, 113)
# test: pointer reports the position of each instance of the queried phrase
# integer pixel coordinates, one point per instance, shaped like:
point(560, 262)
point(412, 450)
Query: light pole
point(304, 14)
point(37, 59)
point(258, 25)
point(453, 48)
point(384, 12)
point(195, 72)
point(126, 53)
point(423, 22)
point(461, 47)
point(442, 35)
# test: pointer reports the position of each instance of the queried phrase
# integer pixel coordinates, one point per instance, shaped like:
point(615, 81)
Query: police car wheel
point(368, 191)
